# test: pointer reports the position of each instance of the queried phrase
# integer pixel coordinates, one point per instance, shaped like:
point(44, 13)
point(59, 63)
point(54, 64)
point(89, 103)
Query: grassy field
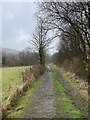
point(10, 79)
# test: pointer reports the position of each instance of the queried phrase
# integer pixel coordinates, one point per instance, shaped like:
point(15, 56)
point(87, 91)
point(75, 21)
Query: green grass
point(24, 101)
point(64, 104)
point(10, 78)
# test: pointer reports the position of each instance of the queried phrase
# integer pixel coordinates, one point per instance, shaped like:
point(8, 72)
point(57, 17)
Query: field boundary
point(28, 78)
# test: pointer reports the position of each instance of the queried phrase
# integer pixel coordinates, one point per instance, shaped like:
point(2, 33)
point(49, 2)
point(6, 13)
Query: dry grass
point(76, 82)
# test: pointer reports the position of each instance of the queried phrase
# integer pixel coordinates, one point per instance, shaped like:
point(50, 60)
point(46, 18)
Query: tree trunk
point(42, 56)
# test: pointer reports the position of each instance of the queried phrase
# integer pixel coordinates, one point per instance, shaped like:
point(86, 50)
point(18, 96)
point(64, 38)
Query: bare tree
point(41, 41)
point(38, 42)
point(71, 21)
point(60, 15)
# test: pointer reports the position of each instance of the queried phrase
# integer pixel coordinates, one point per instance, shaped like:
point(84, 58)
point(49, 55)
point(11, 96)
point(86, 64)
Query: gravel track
point(43, 102)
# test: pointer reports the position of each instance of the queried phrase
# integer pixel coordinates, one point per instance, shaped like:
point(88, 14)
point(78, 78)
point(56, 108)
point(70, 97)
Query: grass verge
point(20, 106)
point(64, 104)
point(77, 83)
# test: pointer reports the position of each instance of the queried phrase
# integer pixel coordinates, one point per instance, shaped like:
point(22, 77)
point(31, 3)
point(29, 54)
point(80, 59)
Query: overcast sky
point(18, 22)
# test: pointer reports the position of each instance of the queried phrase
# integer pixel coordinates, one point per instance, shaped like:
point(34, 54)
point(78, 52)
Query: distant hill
point(9, 51)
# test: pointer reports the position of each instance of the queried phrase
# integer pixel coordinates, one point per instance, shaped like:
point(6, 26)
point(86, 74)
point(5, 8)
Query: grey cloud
point(17, 17)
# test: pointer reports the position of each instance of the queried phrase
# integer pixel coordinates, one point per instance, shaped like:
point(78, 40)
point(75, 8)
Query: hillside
point(9, 51)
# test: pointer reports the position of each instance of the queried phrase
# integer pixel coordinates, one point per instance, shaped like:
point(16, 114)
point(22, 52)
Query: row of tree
point(23, 58)
point(70, 22)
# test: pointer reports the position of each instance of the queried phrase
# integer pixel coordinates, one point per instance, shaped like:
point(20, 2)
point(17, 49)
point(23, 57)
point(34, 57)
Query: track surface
point(43, 102)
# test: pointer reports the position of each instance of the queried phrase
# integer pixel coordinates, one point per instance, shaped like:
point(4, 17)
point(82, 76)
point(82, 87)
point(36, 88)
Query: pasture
point(11, 77)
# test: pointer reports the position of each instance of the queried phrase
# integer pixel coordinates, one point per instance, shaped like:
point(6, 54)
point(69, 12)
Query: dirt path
point(43, 102)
